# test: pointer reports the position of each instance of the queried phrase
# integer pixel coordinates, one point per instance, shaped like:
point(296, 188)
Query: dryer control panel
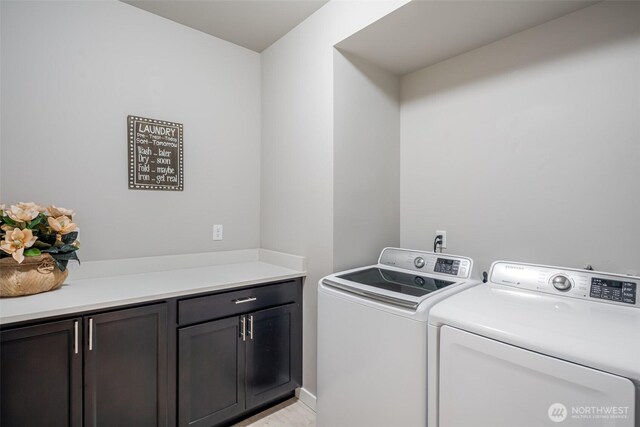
point(427, 262)
point(575, 283)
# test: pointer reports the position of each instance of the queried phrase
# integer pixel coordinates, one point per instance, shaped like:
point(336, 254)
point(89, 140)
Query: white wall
point(1, 97)
point(297, 146)
point(529, 148)
point(366, 161)
point(73, 71)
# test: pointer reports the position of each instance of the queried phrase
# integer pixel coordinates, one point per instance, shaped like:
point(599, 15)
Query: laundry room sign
point(155, 154)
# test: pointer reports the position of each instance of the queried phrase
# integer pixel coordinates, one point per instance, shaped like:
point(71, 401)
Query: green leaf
point(69, 238)
point(41, 245)
point(49, 239)
point(35, 222)
point(61, 264)
point(66, 256)
point(32, 252)
point(66, 248)
point(62, 260)
point(9, 221)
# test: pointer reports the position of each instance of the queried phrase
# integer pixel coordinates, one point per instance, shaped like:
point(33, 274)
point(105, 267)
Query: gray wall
point(529, 148)
point(366, 161)
point(297, 146)
point(73, 71)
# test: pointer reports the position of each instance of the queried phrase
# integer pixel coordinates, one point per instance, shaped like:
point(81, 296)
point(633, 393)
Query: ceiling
point(425, 32)
point(254, 24)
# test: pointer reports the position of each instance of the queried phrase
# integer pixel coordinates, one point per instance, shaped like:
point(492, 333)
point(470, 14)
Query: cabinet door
point(41, 375)
point(274, 348)
point(210, 372)
point(126, 367)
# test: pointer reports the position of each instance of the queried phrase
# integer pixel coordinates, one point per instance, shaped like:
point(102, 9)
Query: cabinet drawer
point(201, 309)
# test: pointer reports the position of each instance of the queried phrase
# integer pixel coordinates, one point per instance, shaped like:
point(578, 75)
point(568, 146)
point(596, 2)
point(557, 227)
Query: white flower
point(15, 242)
point(23, 212)
point(62, 224)
point(56, 212)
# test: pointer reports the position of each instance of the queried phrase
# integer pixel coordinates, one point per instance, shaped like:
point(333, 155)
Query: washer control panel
point(584, 284)
point(427, 262)
point(624, 291)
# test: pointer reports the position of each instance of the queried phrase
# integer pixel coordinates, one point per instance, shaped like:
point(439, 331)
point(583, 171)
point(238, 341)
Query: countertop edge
point(6, 321)
point(23, 309)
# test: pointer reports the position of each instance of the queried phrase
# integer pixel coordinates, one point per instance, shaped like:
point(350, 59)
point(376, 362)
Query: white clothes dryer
point(537, 346)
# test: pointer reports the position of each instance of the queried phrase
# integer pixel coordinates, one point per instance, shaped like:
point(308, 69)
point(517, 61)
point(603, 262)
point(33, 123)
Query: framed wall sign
point(155, 154)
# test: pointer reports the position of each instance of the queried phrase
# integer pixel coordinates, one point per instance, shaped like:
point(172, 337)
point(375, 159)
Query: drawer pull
point(243, 300)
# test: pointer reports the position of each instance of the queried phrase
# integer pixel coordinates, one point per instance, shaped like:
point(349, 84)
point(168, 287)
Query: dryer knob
point(418, 262)
point(561, 283)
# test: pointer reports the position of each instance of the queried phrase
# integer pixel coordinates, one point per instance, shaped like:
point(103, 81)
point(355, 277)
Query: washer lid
point(403, 277)
point(601, 336)
point(396, 281)
point(399, 288)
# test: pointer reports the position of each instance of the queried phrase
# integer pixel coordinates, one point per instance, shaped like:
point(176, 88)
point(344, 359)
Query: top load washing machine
point(537, 346)
point(372, 337)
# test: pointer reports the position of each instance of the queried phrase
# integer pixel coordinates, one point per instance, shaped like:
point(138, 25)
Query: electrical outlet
point(442, 233)
point(217, 232)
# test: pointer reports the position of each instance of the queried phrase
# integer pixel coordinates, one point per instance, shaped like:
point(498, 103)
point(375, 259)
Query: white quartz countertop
point(95, 293)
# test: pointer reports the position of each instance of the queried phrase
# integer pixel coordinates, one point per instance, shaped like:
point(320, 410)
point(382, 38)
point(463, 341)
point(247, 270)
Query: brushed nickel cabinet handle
point(243, 300)
point(90, 334)
point(243, 332)
point(75, 337)
point(251, 327)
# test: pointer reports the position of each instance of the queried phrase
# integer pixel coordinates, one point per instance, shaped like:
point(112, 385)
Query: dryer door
point(486, 383)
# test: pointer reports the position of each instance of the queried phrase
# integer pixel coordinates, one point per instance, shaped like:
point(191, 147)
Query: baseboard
point(306, 397)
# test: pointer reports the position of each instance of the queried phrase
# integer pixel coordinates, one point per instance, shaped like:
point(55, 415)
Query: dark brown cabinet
point(126, 368)
point(198, 360)
point(110, 366)
point(229, 366)
point(211, 378)
point(41, 375)
point(273, 365)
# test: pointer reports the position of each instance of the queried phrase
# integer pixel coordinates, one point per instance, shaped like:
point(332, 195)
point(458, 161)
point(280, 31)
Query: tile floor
point(290, 413)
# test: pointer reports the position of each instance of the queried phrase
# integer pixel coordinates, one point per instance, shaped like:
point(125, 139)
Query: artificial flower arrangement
point(29, 230)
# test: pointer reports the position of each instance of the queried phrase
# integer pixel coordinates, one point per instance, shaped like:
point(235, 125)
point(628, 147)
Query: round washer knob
point(561, 283)
point(418, 262)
